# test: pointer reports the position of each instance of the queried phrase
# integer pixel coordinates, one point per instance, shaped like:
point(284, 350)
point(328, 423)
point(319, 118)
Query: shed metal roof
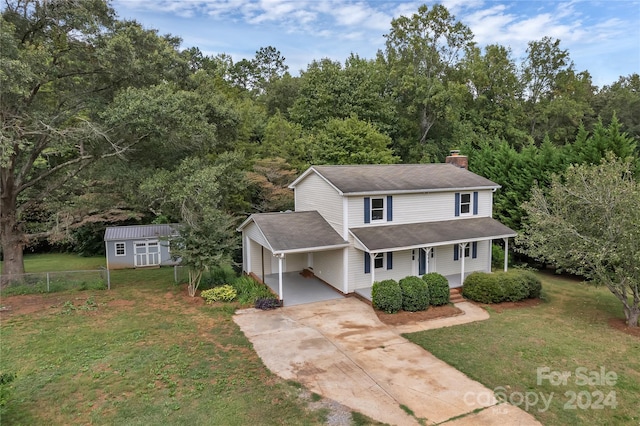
point(135, 232)
point(398, 178)
point(413, 235)
point(296, 231)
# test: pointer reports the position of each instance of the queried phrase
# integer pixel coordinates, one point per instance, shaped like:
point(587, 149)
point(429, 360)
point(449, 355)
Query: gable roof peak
point(397, 178)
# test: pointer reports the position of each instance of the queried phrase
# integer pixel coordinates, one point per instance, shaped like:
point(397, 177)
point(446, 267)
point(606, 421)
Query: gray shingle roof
point(297, 230)
point(401, 177)
point(134, 232)
point(384, 238)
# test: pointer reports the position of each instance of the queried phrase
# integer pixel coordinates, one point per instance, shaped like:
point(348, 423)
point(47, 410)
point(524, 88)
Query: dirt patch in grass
point(500, 307)
point(621, 325)
point(404, 317)
point(29, 304)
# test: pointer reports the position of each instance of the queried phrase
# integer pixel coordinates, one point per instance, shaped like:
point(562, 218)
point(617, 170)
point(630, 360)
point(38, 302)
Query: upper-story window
point(466, 203)
point(378, 209)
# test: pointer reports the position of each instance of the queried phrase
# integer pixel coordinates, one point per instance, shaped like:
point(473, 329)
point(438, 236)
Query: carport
point(300, 289)
point(277, 247)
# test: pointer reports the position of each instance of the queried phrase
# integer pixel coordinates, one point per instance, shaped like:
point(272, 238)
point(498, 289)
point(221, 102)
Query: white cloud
point(360, 14)
point(311, 29)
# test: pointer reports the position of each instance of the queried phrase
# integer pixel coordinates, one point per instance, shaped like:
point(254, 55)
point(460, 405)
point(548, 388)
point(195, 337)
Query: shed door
point(147, 253)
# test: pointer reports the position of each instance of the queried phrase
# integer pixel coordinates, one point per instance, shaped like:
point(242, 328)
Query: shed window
point(120, 249)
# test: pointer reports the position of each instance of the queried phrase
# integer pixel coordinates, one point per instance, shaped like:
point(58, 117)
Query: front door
point(147, 253)
point(426, 265)
point(422, 262)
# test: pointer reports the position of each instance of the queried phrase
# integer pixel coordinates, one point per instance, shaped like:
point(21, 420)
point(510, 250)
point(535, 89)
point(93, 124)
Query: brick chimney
point(457, 160)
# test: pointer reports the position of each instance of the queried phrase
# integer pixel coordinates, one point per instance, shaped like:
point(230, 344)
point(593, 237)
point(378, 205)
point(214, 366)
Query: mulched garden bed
point(404, 317)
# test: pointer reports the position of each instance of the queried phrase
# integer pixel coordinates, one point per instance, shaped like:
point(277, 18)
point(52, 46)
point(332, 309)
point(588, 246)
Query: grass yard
point(570, 330)
point(51, 262)
point(81, 274)
point(143, 353)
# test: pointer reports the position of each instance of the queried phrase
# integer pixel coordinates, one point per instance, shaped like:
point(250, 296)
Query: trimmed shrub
point(483, 287)
point(266, 303)
point(532, 283)
point(513, 286)
point(223, 293)
point(438, 288)
point(415, 294)
point(387, 296)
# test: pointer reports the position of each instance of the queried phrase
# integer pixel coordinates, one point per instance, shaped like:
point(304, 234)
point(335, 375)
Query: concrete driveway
point(339, 349)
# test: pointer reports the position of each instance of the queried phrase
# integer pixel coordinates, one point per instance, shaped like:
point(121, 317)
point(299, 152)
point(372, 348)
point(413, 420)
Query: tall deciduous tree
point(557, 98)
point(494, 106)
point(588, 225)
point(268, 181)
point(350, 141)
point(63, 65)
point(329, 90)
point(423, 53)
point(621, 99)
point(50, 72)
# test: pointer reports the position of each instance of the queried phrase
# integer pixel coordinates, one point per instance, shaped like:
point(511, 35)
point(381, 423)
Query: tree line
point(105, 122)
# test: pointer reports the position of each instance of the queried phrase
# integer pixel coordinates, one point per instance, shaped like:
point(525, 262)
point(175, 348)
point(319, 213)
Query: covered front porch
point(300, 289)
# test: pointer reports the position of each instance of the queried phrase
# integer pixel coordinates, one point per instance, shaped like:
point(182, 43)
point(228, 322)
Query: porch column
point(427, 254)
point(372, 256)
point(506, 254)
point(463, 247)
point(280, 277)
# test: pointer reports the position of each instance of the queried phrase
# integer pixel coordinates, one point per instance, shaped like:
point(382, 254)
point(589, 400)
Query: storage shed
point(139, 246)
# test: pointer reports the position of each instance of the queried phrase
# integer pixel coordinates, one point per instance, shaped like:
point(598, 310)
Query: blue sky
point(602, 37)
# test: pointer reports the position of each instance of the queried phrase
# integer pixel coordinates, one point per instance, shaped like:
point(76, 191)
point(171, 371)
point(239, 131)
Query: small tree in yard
point(199, 193)
point(203, 245)
point(589, 224)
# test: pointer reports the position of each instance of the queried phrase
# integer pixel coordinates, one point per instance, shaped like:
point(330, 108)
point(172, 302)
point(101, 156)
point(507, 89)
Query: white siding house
point(354, 225)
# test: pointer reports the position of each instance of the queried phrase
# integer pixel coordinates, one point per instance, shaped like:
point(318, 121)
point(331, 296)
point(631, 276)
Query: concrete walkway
point(339, 349)
point(471, 313)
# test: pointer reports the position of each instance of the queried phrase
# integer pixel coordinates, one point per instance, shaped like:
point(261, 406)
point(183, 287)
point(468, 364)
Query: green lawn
point(139, 354)
point(52, 262)
point(83, 274)
point(568, 331)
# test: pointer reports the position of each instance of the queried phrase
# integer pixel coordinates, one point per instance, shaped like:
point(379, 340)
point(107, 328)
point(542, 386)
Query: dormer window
point(377, 209)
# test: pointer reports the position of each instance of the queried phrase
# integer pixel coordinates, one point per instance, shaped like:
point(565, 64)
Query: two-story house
point(354, 225)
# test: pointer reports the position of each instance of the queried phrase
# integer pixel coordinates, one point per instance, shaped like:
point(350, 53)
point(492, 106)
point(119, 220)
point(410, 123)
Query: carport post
point(280, 278)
